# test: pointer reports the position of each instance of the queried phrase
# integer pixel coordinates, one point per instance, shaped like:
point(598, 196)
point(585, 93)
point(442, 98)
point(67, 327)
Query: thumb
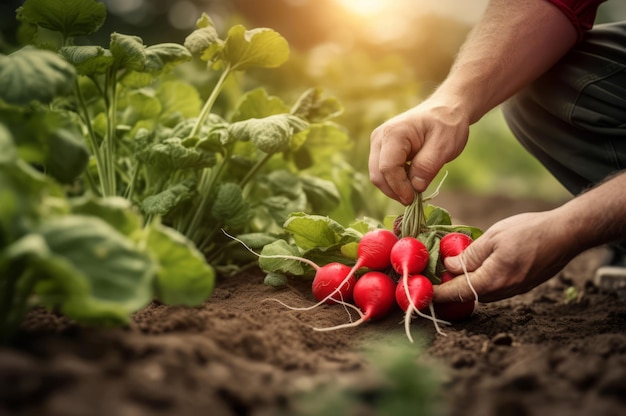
point(424, 167)
point(464, 267)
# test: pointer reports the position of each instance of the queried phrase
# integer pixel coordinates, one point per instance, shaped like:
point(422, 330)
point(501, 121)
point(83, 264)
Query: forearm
point(513, 44)
point(597, 216)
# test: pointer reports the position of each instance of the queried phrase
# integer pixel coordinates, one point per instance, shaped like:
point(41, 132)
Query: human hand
point(426, 136)
point(511, 257)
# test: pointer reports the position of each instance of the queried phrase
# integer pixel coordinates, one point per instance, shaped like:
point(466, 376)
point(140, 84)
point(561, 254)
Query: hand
point(510, 258)
point(427, 136)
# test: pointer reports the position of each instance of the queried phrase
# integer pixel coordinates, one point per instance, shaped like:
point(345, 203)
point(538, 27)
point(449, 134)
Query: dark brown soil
point(240, 355)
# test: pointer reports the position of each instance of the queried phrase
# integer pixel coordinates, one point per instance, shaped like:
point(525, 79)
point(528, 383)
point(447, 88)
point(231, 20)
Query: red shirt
point(581, 13)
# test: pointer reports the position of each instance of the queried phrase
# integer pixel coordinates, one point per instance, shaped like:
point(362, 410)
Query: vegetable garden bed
point(535, 354)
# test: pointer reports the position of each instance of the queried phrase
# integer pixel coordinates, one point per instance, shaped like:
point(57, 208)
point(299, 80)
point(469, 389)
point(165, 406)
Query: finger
point(427, 163)
point(455, 290)
point(392, 162)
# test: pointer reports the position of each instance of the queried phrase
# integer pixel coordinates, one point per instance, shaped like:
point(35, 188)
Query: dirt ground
point(239, 354)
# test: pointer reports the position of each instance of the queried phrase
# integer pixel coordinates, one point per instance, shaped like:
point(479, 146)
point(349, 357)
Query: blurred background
point(378, 57)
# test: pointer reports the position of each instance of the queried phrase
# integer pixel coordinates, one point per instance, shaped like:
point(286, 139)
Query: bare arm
point(514, 43)
point(523, 251)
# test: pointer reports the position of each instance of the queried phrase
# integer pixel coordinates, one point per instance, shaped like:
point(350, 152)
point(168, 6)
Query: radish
point(373, 252)
point(414, 295)
point(329, 283)
point(453, 311)
point(421, 290)
point(453, 244)
point(409, 257)
point(374, 295)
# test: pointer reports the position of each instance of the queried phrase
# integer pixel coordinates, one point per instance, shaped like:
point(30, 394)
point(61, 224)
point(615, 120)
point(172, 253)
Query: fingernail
point(417, 182)
point(452, 263)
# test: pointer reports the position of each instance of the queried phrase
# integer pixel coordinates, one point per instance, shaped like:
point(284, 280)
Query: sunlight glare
point(364, 7)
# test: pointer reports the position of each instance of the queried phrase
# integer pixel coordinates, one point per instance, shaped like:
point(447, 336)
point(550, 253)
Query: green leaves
point(261, 48)
point(92, 272)
point(270, 134)
point(243, 49)
point(184, 277)
point(70, 17)
point(31, 74)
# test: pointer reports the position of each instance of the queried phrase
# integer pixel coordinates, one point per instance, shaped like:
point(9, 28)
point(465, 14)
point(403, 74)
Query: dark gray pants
point(573, 118)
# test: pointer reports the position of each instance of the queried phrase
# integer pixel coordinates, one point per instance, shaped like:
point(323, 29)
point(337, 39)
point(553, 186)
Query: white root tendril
point(469, 282)
point(351, 324)
point(303, 260)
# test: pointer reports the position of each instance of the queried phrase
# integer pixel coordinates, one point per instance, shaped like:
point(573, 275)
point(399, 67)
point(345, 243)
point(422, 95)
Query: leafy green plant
point(154, 142)
point(139, 164)
point(90, 258)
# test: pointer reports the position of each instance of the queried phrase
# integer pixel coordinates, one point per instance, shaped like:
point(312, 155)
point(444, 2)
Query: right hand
point(426, 137)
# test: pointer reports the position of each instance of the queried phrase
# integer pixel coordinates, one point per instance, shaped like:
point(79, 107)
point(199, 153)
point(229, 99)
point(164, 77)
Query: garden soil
point(242, 354)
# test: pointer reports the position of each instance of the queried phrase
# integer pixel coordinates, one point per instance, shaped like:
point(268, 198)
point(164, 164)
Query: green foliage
point(398, 382)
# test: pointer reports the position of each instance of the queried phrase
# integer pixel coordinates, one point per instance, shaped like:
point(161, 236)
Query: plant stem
point(254, 169)
point(208, 105)
point(91, 136)
point(109, 143)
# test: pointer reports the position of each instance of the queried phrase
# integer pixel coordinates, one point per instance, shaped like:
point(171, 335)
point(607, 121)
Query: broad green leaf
point(178, 97)
point(282, 182)
point(473, 232)
point(311, 106)
point(118, 212)
point(128, 52)
point(27, 196)
point(53, 140)
point(31, 74)
point(258, 104)
point(280, 207)
point(262, 47)
point(88, 60)
point(229, 207)
point(164, 56)
point(184, 277)
point(327, 138)
point(256, 240)
point(274, 279)
point(311, 231)
point(350, 250)
point(8, 151)
point(321, 194)
point(70, 17)
point(164, 202)
point(142, 105)
point(204, 40)
point(172, 155)
point(281, 248)
point(436, 215)
point(270, 134)
point(93, 273)
point(431, 241)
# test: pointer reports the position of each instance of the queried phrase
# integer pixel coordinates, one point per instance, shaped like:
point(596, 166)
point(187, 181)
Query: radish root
point(469, 282)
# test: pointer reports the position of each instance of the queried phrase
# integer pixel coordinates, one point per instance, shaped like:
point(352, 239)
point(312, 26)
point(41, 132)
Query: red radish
point(328, 279)
point(408, 256)
point(416, 294)
point(420, 289)
point(453, 311)
point(452, 244)
point(374, 295)
point(373, 253)
point(331, 283)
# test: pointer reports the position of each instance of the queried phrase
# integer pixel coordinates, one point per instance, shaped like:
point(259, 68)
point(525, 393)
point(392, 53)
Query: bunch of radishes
point(393, 276)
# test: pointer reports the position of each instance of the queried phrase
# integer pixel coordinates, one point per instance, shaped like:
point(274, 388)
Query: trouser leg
point(573, 118)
